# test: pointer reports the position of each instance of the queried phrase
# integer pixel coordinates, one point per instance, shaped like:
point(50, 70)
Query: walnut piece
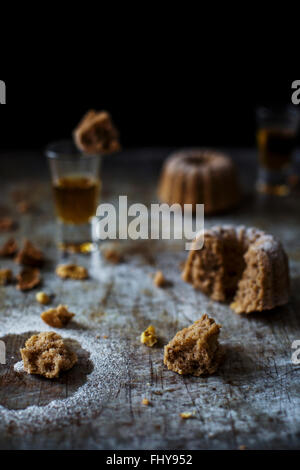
point(9, 248)
point(29, 255)
point(28, 278)
point(5, 276)
point(96, 134)
point(148, 337)
point(71, 271)
point(42, 298)
point(159, 279)
point(195, 350)
point(47, 354)
point(57, 317)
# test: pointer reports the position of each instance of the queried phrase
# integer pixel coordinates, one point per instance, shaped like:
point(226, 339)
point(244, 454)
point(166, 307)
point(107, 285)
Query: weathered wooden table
point(253, 400)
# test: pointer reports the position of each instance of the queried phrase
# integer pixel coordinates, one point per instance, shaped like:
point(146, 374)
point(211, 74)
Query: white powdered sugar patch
point(108, 358)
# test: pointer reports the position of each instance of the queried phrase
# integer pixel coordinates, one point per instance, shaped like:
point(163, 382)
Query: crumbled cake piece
point(7, 224)
point(9, 248)
point(148, 337)
point(28, 278)
point(159, 279)
point(195, 350)
point(42, 298)
point(47, 354)
point(243, 447)
point(145, 402)
point(23, 207)
point(96, 134)
point(5, 276)
point(187, 415)
point(57, 317)
point(71, 271)
point(29, 255)
point(112, 255)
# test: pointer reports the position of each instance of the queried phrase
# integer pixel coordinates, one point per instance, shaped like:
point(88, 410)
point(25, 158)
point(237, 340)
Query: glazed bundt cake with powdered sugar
point(199, 176)
point(245, 265)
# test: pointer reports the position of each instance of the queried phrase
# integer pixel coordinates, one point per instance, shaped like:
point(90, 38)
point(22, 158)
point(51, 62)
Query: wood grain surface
point(254, 398)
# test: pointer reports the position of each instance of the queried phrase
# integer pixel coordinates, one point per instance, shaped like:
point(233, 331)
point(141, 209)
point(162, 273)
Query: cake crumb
point(57, 317)
point(243, 447)
point(159, 279)
point(71, 271)
point(42, 298)
point(195, 350)
point(5, 276)
point(187, 415)
point(29, 255)
point(9, 248)
point(145, 402)
point(7, 224)
point(28, 278)
point(23, 207)
point(148, 337)
point(47, 354)
point(112, 255)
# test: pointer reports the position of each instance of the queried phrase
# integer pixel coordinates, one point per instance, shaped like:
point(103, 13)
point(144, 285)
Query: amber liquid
point(275, 147)
point(76, 199)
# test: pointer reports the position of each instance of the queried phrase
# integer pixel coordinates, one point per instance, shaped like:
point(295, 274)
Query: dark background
point(149, 111)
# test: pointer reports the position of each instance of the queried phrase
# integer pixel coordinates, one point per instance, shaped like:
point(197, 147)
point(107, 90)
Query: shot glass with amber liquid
point(76, 189)
point(276, 140)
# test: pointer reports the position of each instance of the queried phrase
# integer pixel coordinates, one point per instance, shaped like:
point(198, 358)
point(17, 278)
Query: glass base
point(275, 183)
point(72, 238)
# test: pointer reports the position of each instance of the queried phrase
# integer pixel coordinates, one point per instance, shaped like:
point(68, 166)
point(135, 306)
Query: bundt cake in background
point(199, 177)
point(243, 264)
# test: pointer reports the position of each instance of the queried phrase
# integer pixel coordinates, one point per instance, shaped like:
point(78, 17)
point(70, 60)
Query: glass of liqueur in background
point(76, 188)
point(276, 140)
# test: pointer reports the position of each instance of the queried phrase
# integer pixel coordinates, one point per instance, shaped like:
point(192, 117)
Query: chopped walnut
point(9, 248)
point(29, 255)
point(7, 224)
point(57, 317)
point(5, 276)
point(28, 278)
point(96, 134)
point(148, 337)
point(71, 271)
point(159, 279)
point(145, 402)
point(47, 354)
point(42, 298)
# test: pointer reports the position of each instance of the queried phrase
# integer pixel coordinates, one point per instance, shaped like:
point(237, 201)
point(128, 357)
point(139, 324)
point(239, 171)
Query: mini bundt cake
point(199, 177)
point(243, 264)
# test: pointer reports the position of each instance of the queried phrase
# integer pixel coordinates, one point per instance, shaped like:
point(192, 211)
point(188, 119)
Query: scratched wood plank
point(254, 398)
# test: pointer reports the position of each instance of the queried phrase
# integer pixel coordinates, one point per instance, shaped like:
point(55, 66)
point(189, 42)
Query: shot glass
point(276, 140)
point(76, 187)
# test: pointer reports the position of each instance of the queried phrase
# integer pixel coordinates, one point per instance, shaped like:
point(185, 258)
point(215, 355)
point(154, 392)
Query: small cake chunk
point(28, 278)
point(145, 402)
point(195, 350)
point(71, 271)
point(57, 317)
point(9, 248)
point(5, 276)
point(29, 255)
point(47, 354)
point(112, 255)
point(96, 134)
point(187, 415)
point(159, 279)
point(42, 298)
point(148, 337)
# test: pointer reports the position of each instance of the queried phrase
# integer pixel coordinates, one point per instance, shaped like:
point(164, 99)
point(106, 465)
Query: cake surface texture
point(244, 265)
point(199, 176)
point(195, 350)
